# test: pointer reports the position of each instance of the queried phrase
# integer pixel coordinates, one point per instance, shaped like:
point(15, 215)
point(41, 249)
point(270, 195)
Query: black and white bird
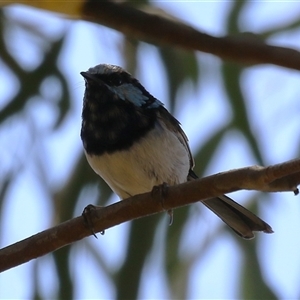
point(134, 144)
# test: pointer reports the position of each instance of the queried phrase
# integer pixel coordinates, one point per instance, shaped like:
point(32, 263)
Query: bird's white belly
point(156, 158)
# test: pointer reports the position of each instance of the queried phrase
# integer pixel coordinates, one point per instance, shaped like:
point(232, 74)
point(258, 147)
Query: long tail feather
point(237, 217)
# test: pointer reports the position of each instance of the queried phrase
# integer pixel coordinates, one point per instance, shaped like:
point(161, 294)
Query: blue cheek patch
point(134, 95)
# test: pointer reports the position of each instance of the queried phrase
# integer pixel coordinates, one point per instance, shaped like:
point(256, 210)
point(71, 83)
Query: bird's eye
point(114, 81)
point(118, 81)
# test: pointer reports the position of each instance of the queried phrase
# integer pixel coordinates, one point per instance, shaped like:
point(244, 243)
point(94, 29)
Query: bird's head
point(119, 84)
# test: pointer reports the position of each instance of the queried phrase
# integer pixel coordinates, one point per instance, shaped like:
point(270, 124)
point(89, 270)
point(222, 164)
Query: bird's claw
point(171, 216)
point(88, 214)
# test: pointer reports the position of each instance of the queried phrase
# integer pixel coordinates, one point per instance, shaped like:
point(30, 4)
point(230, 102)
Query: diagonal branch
point(244, 48)
point(280, 177)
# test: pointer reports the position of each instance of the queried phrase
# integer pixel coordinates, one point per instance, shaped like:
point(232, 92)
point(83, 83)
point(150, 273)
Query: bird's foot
point(161, 192)
point(88, 214)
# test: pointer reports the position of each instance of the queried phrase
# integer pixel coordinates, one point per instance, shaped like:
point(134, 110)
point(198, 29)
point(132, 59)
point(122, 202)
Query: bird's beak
point(92, 79)
point(89, 76)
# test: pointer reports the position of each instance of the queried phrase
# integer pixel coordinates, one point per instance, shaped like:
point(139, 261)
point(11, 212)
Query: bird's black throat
point(111, 124)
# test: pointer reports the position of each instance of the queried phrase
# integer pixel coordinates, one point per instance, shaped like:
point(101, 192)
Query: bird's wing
point(174, 125)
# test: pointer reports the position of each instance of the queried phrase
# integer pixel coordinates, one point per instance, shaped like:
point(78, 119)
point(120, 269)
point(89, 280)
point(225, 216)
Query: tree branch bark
point(155, 29)
point(243, 48)
point(280, 177)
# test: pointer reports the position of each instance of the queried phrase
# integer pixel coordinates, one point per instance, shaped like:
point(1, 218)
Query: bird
point(134, 143)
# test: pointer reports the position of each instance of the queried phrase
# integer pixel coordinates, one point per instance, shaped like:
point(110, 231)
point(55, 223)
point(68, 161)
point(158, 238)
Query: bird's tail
point(237, 217)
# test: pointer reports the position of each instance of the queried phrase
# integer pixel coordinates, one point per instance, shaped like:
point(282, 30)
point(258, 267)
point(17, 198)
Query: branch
point(155, 29)
point(280, 177)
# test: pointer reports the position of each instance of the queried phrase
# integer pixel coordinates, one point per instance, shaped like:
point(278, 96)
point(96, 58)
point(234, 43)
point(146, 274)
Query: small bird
point(134, 144)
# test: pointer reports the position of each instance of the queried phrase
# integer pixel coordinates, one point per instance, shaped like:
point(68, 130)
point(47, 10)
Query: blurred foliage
point(180, 67)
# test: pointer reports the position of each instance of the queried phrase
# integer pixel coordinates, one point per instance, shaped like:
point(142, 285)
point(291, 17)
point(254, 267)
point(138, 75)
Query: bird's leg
point(161, 191)
point(88, 214)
